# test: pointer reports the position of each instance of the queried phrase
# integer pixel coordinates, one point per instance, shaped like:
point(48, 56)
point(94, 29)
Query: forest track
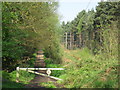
point(35, 83)
point(39, 63)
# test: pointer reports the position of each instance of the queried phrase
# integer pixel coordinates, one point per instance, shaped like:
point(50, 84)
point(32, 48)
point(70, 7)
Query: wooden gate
point(48, 71)
point(39, 68)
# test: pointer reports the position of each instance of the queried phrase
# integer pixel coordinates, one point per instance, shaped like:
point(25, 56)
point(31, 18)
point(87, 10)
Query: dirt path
point(40, 63)
point(35, 83)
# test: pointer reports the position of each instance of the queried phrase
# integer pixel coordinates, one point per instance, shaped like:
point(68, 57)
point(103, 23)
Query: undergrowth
point(55, 73)
point(48, 85)
point(9, 79)
point(8, 83)
point(84, 70)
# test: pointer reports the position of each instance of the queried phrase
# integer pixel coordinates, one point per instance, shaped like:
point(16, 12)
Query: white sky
point(68, 9)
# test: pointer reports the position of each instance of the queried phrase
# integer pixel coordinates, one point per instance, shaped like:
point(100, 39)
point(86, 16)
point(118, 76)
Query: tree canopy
point(97, 29)
point(28, 27)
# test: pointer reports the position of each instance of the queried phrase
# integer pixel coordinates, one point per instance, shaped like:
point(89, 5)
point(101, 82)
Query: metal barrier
point(48, 71)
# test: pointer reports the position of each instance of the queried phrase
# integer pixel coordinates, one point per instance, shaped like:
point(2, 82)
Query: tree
point(27, 27)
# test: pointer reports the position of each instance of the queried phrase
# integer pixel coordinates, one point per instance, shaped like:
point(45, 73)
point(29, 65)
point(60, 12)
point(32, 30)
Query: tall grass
point(8, 83)
point(9, 79)
point(84, 70)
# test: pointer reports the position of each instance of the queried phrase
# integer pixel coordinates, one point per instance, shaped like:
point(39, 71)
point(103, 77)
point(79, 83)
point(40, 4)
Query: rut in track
point(39, 63)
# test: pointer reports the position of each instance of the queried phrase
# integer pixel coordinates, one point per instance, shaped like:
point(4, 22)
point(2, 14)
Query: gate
point(48, 71)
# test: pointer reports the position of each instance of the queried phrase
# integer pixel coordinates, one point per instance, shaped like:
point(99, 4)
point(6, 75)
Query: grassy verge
point(84, 70)
point(8, 83)
point(9, 79)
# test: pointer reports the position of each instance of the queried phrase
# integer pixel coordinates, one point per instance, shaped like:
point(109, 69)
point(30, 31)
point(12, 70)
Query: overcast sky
point(68, 9)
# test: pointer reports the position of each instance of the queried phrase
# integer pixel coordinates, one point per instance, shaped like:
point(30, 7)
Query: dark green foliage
point(27, 27)
point(9, 79)
point(12, 36)
point(53, 51)
point(25, 77)
point(98, 29)
point(8, 83)
point(11, 84)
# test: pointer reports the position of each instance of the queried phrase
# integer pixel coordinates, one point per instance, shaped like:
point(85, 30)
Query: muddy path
point(39, 63)
point(35, 83)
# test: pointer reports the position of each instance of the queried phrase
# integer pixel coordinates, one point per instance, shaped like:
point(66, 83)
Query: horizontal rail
point(41, 68)
point(44, 75)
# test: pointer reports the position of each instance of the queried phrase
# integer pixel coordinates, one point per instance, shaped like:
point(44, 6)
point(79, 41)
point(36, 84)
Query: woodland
point(92, 61)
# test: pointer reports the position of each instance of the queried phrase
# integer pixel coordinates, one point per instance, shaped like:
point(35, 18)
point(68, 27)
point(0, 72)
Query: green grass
point(8, 83)
point(82, 70)
point(85, 70)
point(9, 79)
point(48, 85)
point(55, 73)
point(25, 77)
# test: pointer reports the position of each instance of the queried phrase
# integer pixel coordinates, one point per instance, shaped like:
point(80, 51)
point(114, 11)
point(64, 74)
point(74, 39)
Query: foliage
point(28, 63)
point(25, 77)
point(27, 27)
point(55, 73)
point(88, 72)
point(96, 66)
point(96, 30)
point(48, 84)
point(8, 83)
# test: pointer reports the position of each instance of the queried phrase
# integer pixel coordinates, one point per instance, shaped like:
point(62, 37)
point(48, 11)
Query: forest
point(87, 47)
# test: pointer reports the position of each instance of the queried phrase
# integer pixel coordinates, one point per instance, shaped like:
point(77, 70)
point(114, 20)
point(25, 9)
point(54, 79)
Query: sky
point(68, 9)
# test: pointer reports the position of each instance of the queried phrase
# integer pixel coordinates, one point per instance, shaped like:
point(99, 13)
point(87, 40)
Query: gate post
point(17, 74)
point(66, 40)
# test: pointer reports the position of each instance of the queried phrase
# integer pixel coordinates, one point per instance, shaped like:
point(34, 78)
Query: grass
point(25, 77)
point(84, 70)
point(9, 79)
point(48, 85)
point(55, 73)
point(8, 83)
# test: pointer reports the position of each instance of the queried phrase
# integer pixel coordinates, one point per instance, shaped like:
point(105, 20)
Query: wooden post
point(80, 42)
point(66, 40)
point(17, 74)
point(70, 41)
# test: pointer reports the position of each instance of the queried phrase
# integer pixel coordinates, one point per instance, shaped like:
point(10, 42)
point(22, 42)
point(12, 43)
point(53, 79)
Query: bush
point(25, 77)
point(8, 83)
